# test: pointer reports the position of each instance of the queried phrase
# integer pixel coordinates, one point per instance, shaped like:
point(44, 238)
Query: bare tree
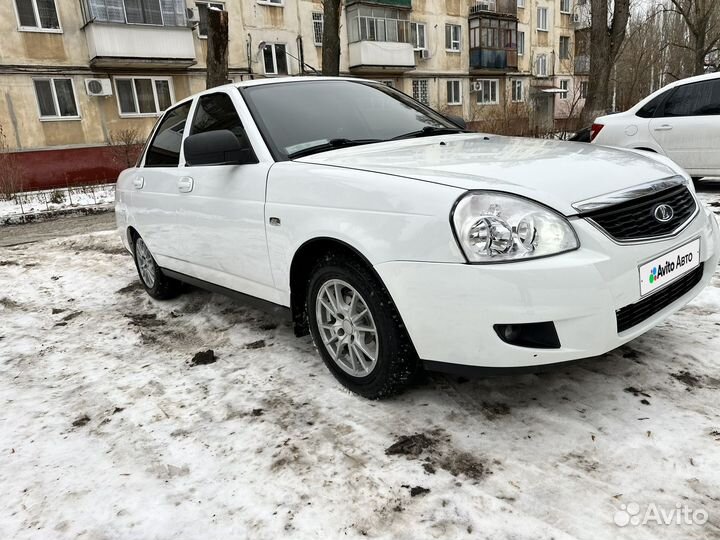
point(217, 47)
point(331, 38)
point(607, 32)
point(11, 179)
point(125, 146)
point(702, 19)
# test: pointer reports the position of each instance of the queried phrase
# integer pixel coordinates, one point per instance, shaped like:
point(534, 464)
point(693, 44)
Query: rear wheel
point(357, 329)
point(154, 281)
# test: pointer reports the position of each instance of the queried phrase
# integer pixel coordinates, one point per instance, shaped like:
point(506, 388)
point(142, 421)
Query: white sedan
point(400, 240)
point(681, 121)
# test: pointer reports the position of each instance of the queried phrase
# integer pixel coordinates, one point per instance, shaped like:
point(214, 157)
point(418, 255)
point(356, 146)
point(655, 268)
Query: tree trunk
point(331, 38)
point(699, 54)
point(217, 48)
point(605, 43)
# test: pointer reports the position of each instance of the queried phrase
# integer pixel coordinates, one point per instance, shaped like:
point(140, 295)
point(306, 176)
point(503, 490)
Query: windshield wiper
point(428, 131)
point(332, 144)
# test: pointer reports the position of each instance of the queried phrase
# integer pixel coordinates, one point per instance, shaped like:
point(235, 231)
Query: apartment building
point(74, 73)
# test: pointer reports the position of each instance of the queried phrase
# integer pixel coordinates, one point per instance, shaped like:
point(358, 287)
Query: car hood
point(556, 173)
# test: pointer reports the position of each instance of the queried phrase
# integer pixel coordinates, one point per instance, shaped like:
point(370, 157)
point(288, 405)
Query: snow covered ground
point(108, 431)
point(54, 200)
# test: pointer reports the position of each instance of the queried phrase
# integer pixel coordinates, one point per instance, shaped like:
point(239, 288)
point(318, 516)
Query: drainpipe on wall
point(249, 56)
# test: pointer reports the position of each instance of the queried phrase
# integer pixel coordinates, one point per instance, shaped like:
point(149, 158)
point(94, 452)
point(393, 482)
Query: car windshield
point(302, 117)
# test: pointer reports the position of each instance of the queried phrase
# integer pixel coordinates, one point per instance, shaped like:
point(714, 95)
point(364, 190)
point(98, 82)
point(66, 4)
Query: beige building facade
point(73, 74)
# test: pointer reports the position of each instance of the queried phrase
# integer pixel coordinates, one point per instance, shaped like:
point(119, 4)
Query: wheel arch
point(302, 263)
point(132, 235)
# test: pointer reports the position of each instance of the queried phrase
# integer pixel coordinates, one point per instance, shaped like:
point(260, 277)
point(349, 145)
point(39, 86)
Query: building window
point(37, 15)
point(388, 83)
point(521, 43)
point(56, 98)
point(155, 12)
point(420, 91)
point(417, 36)
point(202, 16)
point(143, 12)
point(564, 85)
point(487, 91)
point(564, 6)
point(541, 65)
point(454, 92)
point(564, 47)
point(452, 37)
point(493, 34)
point(374, 23)
point(542, 19)
point(271, 2)
point(583, 89)
point(317, 20)
point(521, 3)
point(275, 59)
point(139, 96)
point(517, 90)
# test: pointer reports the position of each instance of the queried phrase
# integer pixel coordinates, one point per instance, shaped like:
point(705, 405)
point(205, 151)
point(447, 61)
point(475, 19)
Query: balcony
point(135, 46)
point(500, 7)
point(126, 34)
point(385, 56)
point(403, 4)
point(500, 59)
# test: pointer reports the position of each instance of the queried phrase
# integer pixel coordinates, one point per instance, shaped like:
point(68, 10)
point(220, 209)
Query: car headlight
point(495, 227)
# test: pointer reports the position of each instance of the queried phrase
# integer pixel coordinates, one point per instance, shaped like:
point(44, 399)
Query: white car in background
point(398, 239)
point(680, 121)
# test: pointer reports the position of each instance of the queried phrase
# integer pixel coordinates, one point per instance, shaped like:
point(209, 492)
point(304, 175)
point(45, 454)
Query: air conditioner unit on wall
point(98, 87)
point(425, 54)
point(193, 16)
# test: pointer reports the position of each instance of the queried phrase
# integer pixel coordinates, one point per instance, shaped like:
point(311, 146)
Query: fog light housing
point(540, 335)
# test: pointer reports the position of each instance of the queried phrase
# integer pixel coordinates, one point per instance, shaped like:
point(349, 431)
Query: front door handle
point(138, 182)
point(663, 127)
point(185, 184)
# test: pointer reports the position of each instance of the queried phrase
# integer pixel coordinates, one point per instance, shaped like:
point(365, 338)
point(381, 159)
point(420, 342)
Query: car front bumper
point(450, 309)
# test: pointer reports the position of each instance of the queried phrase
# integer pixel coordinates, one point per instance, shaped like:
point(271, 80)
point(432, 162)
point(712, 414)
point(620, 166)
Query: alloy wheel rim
point(146, 265)
point(347, 328)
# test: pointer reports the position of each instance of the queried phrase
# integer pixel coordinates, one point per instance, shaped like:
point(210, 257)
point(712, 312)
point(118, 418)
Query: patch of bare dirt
point(203, 358)
point(436, 451)
point(688, 379)
point(494, 410)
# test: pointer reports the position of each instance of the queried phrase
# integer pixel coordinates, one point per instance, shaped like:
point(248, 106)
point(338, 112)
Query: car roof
point(273, 80)
point(679, 82)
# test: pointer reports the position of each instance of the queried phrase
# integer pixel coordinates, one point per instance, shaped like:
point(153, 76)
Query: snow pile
point(54, 200)
point(110, 429)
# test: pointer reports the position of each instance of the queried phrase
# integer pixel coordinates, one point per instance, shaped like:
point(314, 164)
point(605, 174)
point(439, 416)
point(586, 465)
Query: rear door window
point(696, 99)
point(650, 108)
point(164, 150)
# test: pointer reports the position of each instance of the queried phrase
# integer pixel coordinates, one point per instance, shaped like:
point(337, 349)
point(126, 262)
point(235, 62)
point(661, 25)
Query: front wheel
point(156, 284)
point(357, 329)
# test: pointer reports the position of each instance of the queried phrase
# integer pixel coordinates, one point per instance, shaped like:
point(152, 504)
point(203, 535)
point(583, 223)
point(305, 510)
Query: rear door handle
point(185, 184)
point(138, 182)
point(664, 127)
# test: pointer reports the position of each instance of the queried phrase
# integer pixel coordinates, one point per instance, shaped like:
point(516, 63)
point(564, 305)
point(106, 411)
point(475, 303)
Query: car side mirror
point(457, 120)
point(219, 147)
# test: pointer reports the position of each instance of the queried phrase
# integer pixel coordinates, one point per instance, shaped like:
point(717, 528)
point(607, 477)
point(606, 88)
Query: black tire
point(397, 362)
point(163, 287)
